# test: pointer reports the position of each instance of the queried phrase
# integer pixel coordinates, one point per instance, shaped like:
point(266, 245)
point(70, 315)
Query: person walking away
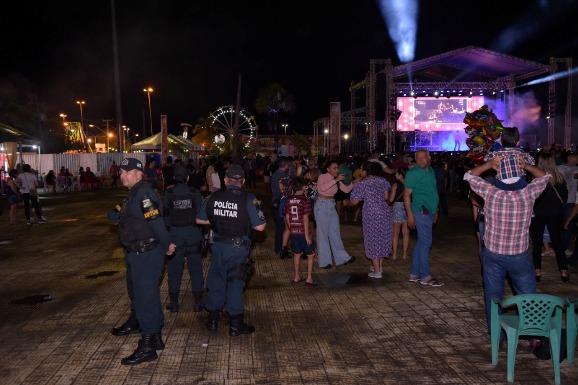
point(373, 189)
point(113, 173)
point(181, 204)
point(441, 184)
point(328, 229)
point(12, 193)
point(569, 171)
point(276, 195)
point(421, 201)
point(507, 216)
point(167, 170)
point(233, 215)
point(549, 212)
point(143, 235)
point(50, 180)
point(399, 215)
point(150, 172)
point(28, 183)
point(297, 211)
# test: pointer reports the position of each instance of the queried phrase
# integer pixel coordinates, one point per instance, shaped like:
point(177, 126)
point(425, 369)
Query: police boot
point(130, 326)
point(173, 306)
point(144, 352)
point(158, 343)
point(239, 327)
point(213, 321)
point(199, 302)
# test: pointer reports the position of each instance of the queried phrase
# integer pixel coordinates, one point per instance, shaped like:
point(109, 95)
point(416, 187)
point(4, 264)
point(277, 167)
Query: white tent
point(153, 143)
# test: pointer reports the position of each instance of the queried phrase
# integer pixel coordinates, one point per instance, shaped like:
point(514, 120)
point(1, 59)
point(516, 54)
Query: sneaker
point(374, 275)
point(413, 279)
point(28, 223)
point(42, 220)
point(372, 269)
point(432, 282)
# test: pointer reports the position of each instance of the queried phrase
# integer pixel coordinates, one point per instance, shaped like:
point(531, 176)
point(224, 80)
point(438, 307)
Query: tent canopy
point(10, 134)
point(154, 143)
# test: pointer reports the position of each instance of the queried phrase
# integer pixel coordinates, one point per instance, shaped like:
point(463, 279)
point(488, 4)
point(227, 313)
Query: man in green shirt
point(421, 204)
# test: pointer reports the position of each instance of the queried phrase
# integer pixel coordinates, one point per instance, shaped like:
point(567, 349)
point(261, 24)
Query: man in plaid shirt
point(506, 235)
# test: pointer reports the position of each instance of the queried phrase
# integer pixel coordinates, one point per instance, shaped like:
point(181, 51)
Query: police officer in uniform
point(181, 203)
point(145, 239)
point(233, 215)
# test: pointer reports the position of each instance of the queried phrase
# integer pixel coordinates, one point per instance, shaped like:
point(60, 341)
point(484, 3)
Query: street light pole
point(80, 104)
point(148, 91)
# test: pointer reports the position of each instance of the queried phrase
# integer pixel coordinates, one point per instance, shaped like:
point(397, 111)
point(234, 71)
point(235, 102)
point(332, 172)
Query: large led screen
point(435, 114)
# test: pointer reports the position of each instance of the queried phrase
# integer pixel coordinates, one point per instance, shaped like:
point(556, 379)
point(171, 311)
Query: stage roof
point(468, 64)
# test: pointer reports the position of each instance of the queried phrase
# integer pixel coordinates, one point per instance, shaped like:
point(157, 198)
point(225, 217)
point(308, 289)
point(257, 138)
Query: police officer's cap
point(129, 164)
point(181, 172)
point(234, 171)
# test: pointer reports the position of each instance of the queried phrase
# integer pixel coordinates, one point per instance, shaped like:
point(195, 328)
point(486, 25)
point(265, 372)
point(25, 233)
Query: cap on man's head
point(181, 172)
point(131, 164)
point(234, 171)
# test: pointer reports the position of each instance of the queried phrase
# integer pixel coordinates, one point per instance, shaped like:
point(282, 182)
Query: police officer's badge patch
point(261, 215)
point(149, 208)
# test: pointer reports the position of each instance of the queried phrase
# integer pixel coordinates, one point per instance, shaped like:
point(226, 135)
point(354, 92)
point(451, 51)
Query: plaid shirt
point(507, 213)
point(509, 166)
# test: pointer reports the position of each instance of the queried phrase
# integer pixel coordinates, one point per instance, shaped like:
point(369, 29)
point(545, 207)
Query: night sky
point(191, 52)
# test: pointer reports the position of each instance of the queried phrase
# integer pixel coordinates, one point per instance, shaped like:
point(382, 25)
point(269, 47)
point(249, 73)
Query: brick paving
point(350, 329)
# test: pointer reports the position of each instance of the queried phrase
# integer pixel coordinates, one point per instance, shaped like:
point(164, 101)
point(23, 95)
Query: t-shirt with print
point(297, 206)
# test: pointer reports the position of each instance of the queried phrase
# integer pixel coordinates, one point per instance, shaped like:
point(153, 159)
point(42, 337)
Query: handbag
point(556, 191)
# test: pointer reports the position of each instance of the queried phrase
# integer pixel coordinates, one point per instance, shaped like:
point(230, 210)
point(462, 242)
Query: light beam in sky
point(401, 19)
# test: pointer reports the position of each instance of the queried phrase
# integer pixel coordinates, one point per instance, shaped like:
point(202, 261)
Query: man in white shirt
point(28, 182)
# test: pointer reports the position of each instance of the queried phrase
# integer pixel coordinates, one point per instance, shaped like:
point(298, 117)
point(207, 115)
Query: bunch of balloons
point(483, 129)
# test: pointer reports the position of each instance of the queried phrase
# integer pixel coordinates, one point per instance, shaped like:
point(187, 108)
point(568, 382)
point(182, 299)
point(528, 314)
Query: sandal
point(432, 282)
point(297, 282)
point(311, 284)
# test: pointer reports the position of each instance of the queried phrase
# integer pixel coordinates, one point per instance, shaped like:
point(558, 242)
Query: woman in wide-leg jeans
point(328, 233)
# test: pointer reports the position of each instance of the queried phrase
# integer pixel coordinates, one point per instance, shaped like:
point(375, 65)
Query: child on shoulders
point(510, 176)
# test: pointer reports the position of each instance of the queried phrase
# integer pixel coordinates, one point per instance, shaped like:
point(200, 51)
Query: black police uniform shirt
point(144, 202)
point(181, 204)
point(254, 212)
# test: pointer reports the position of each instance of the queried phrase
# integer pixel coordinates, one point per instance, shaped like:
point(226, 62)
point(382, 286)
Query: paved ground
point(63, 289)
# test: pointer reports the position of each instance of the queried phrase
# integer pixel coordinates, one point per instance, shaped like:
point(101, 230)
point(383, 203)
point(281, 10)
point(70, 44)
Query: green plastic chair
point(539, 315)
point(571, 327)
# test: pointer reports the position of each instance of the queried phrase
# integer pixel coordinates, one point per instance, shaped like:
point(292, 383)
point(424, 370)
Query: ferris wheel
point(223, 119)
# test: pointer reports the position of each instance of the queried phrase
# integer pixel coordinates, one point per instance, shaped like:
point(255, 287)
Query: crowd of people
point(172, 209)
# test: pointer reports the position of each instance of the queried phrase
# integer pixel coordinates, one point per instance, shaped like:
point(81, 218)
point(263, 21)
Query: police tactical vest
point(132, 229)
point(182, 210)
point(228, 214)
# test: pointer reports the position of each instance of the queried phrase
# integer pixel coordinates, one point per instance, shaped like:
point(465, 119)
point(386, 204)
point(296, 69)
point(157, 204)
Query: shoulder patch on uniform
point(256, 202)
point(146, 202)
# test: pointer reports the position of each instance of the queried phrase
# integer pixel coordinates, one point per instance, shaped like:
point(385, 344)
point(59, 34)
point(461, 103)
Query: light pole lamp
point(105, 132)
point(285, 125)
point(148, 91)
point(80, 104)
point(125, 136)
